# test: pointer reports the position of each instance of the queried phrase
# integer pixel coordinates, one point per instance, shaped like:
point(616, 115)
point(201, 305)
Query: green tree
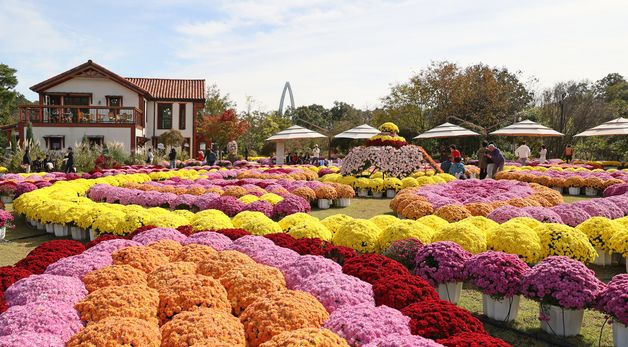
point(8, 95)
point(215, 102)
point(262, 125)
point(307, 116)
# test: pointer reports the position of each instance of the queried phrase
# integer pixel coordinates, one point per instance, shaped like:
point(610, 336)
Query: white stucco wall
point(151, 112)
point(75, 135)
point(99, 87)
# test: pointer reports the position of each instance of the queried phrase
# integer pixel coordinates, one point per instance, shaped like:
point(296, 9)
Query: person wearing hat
point(496, 161)
point(316, 154)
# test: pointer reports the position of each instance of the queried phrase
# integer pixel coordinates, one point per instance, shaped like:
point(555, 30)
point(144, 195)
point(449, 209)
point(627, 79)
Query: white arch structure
point(283, 96)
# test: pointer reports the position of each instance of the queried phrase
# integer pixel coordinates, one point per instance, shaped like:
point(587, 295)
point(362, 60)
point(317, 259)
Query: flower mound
point(116, 331)
point(28, 339)
point(563, 282)
point(506, 213)
point(45, 288)
point(114, 275)
point(403, 251)
point(371, 267)
point(110, 246)
point(364, 323)
point(306, 266)
point(359, 234)
point(405, 229)
point(132, 301)
point(600, 230)
point(162, 276)
point(140, 257)
point(216, 241)
point(79, 265)
point(612, 299)
point(279, 312)
point(495, 273)
point(195, 253)
point(188, 293)
point(560, 239)
point(10, 275)
point(335, 290)
point(55, 318)
point(399, 291)
point(203, 326)
point(247, 283)
point(306, 337)
point(467, 235)
point(469, 339)
point(153, 235)
point(220, 263)
point(441, 262)
point(440, 319)
point(401, 340)
point(452, 213)
point(170, 248)
point(516, 238)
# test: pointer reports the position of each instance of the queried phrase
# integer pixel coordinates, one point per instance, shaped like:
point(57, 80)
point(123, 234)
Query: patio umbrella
point(527, 128)
point(446, 130)
point(363, 131)
point(615, 127)
point(294, 132)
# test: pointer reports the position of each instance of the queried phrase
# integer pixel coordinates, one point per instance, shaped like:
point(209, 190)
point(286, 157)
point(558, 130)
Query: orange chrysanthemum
point(133, 301)
point(203, 327)
point(114, 275)
point(170, 248)
point(306, 337)
point(118, 331)
point(221, 262)
point(164, 275)
point(246, 283)
point(195, 253)
point(140, 257)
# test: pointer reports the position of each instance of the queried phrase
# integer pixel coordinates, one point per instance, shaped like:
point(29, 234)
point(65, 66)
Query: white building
point(91, 101)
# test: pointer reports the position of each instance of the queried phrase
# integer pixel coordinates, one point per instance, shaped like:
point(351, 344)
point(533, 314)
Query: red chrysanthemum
point(399, 291)
point(65, 247)
point(3, 303)
point(340, 254)
point(186, 230)
point(371, 267)
point(37, 264)
point(233, 234)
point(101, 238)
point(140, 230)
point(10, 275)
point(312, 246)
point(439, 319)
point(473, 340)
point(281, 239)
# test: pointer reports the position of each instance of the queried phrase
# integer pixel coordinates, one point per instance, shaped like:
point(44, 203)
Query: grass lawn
point(525, 331)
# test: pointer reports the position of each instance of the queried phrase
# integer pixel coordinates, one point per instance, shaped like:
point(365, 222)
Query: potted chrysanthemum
point(599, 231)
point(564, 288)
point(392, 185)
point(325, 195)
point(611, 300)
point(6, 221)
point(442, 265)
point(363, 185)
point(498, 275)
point(575, 183)
point(377, 187)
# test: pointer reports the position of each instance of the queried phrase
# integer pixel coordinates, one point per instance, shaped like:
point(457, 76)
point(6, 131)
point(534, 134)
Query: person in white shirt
point(522, 153)
point(316, 154)
point(543, 154)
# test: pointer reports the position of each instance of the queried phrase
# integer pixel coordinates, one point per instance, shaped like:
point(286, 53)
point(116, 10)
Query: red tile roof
point(171, 89)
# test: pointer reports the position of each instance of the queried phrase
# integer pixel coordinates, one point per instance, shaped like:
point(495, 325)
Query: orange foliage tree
point(221, 128)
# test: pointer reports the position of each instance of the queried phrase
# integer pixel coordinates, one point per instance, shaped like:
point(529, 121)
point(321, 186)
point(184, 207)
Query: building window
point(54, 143)
point(182, 116)
point(164, 116)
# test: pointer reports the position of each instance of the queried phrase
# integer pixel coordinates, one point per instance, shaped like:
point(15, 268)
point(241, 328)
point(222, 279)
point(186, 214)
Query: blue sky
point(328, 50)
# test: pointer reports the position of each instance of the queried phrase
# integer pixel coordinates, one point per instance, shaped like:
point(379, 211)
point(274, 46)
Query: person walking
point(482, 159)
point(568, 153)
point(496, 161)
point(316, 154)
point(173, 158)
point(150, 157)
point(210, 158)
point(543, 154)
point(523, 153)
point(69, 161)
point(26, 161)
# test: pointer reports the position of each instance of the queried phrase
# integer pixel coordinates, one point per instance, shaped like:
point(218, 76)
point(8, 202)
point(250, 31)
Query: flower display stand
point(78, 234)
point(562, 321)
point(378, 195)
point(92, 234)
point(6, 199)
point(558, 189)
point(363, 193)
point(604, 257)
point(50, 228)
point(342, 202)
point(3, 232)
point(450, 291)
point(61, 230)
point(574, 191)
point(504, 310)
point(588, 191)
point(390, 193)
point(620, 334)
point(324, 204)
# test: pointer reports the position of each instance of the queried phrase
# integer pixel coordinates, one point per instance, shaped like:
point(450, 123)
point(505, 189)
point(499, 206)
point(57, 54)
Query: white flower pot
point(574, 190)
point(363, 193)
point(78, 233)
point(590, 191)
point(378, 195)
point(390, 193)
point(41, 226)
point(3, 232)
point(92, 235)
point(620, 334)
point(61, 230)
point(50, 228)
point(450, 291)
point(504, 310)
point(558, 189)
point(323, 203)
point(6, 199)
point(604, 257)
point(342, 202)
point(562, 322)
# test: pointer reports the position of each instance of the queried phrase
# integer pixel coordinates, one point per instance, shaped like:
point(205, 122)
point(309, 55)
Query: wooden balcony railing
point(77, 114)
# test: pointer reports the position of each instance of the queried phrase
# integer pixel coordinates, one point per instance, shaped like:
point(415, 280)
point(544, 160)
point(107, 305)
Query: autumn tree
point(222, 128)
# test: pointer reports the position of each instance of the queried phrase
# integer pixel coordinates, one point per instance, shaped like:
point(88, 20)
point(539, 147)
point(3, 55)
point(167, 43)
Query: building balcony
point(77, 115)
